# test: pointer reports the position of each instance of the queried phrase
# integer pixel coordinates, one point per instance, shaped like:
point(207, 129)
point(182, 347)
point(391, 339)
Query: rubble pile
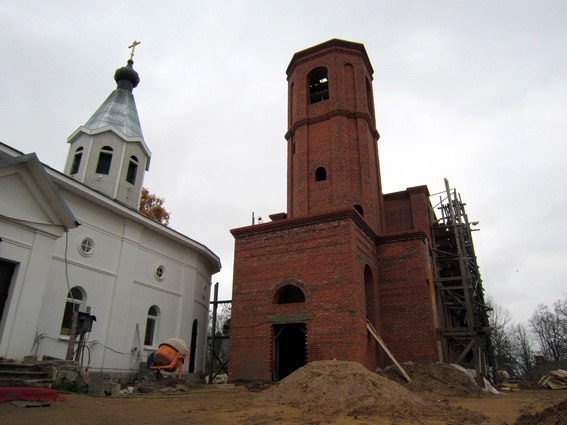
point(437, 379)
point(556, 380)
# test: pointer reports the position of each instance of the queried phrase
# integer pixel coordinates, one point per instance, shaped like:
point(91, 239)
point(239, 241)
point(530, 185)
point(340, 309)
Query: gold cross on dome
point(133, 46)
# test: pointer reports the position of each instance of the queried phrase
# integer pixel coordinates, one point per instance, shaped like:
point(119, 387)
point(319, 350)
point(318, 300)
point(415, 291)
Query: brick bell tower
point(332, 154)
point(305, 283)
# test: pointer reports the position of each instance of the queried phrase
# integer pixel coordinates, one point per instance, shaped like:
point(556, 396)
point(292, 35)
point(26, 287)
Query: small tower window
point(132, 170)
point(359, 209)
point(320, 174)
point(77, 161)
point(318, 85)
point(289, 294)
point(104, 160)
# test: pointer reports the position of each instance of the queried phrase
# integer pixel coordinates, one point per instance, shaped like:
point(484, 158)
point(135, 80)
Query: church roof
point(119, 110)
point(54, 210)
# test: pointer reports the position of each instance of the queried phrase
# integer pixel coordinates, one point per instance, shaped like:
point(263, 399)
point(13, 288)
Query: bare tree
point(501, 324)
point(523, 349)
point(550, 327)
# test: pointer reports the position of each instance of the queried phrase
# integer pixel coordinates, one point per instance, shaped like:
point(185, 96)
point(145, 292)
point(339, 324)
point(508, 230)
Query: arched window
point(359, 209)
point(369, 294)
point(150, 336)
point(289, 294)
point(320, 174)
point(76, 298)
point(77, 161)
point(318, 85)
point(132, 170)
point(104, 160)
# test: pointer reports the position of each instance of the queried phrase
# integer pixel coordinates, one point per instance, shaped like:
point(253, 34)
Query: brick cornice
point(344, 46)
point(291, 223)
point(337, 112)
point(279, 225)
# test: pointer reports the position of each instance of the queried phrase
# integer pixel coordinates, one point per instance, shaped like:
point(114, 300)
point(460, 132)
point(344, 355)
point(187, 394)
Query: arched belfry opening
point(318, 85)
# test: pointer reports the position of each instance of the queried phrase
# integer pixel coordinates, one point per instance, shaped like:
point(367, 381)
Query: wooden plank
point(374, 333)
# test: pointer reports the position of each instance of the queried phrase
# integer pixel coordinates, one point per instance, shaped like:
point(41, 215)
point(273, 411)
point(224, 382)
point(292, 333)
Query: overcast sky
point(474, 91)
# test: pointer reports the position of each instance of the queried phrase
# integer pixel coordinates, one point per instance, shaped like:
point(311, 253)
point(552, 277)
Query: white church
point(75, 241)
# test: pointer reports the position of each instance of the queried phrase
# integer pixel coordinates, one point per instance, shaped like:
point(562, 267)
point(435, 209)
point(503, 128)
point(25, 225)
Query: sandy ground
point(326, 394)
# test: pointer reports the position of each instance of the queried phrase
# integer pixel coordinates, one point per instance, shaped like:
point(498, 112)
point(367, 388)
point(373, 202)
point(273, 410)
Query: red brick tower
point(332, 156)
point(306, 283)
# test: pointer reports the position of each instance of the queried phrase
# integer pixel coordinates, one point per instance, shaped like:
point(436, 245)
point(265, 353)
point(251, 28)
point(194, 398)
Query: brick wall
point(326, 257)
point(406, 300)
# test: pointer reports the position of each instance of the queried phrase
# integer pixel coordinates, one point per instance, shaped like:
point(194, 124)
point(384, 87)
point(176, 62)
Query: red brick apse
point(306, 283)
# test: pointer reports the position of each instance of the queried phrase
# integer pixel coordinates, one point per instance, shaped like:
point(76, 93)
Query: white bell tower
point(109, 153)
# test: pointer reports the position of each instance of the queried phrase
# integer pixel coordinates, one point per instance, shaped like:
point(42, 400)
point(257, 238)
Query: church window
point(359, 208)
point(86, 247)
point(289, 294)
point(150, 335)
point(104, 160)
point(77, 161)
point(75, 300)
point(318, 85)
point(132, 170)
point(320, 174)
point(160, 272)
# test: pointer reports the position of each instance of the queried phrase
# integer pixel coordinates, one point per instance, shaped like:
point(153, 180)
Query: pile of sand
point(435, 379)
point(333, 387)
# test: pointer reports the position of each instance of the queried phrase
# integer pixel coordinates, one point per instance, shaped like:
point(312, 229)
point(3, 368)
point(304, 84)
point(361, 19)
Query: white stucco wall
point(118, 278)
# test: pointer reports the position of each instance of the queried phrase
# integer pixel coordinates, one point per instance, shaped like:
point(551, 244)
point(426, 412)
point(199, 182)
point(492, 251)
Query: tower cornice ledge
point(338, 112)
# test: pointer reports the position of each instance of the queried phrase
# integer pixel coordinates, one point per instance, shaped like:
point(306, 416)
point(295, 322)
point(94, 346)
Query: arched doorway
point(193, 346)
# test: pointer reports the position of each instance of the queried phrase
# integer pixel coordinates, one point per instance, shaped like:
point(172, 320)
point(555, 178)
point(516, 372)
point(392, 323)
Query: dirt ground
point(332, 392)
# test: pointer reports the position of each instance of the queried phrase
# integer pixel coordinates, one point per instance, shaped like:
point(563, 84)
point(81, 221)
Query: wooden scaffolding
point(464, 328)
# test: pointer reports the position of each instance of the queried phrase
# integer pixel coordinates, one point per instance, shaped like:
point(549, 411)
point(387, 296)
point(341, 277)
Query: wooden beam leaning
point(374, 333)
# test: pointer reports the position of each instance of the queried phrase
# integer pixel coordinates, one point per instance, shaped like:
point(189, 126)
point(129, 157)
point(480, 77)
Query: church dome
point(126, 77)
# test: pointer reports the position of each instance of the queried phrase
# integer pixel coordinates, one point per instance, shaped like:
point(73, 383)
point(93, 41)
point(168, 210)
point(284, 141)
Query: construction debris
point(556, 380)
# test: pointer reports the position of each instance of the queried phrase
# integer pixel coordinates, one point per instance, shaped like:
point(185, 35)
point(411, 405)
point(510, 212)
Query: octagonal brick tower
point(332, 154)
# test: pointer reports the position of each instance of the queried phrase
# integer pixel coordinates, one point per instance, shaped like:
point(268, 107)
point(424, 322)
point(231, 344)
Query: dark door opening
point(6, 272)
point(290, 352)
point(193, 346)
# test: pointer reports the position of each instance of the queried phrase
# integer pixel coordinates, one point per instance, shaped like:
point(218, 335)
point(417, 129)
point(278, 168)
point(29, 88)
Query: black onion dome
point(126, 77)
